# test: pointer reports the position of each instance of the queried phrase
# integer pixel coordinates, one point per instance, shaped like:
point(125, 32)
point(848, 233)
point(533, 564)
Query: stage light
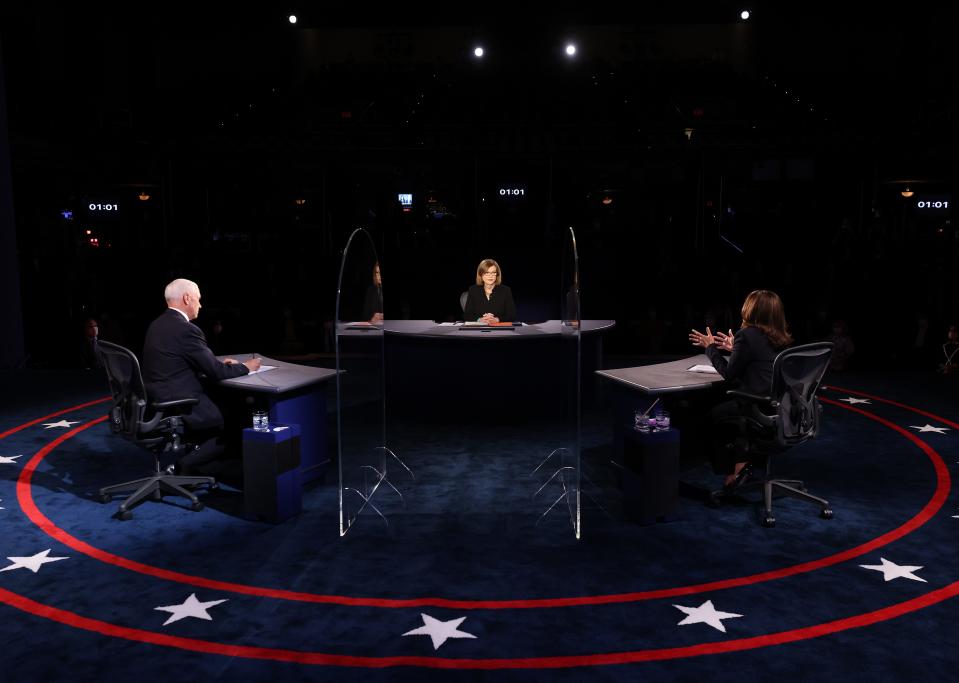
point(570, 50)
point(292, 18)
point(744, 15)
point(299, 201)
point(607, 200)
point(478, 51)
point(143, 196)
point(907, 193)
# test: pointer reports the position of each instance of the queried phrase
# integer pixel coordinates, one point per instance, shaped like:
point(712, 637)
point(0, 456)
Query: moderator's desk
point(440, 369)
point(430, 329)
point(294, 394)
point(651, 462)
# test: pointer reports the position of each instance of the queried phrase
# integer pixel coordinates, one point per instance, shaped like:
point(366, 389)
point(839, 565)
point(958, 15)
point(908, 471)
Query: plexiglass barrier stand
point(364, 458)
point(559, 471)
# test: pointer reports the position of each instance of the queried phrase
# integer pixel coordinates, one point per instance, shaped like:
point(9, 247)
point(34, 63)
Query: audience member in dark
point(763, 333)
point(110, 329)
point(217, 339)
point(89, 355)
point(950, 352)
point(843, 346)
point(920, 350)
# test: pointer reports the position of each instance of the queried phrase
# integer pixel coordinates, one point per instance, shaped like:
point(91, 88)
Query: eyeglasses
point(491, 272)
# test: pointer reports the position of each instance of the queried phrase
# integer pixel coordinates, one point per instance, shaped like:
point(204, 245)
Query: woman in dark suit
point(489, 300)
point(373, 301)
point(752, 350)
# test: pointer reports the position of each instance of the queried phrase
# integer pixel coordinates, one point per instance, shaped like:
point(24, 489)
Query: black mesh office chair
point(157, 427)
point(787, 417)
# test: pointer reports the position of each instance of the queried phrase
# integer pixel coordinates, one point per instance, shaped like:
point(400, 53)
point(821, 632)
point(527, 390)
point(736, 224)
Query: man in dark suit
point(176, 359)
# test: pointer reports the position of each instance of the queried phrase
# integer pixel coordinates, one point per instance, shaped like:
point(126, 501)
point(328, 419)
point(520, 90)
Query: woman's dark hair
point(764, 310)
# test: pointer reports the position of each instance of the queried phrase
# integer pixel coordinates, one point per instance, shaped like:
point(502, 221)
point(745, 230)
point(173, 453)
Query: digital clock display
point(97, 207)
point(932, 204)
point(512, 191)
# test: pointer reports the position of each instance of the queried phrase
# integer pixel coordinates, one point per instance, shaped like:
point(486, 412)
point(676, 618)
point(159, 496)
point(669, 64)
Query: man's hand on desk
point(252, 365)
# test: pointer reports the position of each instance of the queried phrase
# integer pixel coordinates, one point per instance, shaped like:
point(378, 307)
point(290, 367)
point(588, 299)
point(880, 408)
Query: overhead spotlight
point(570, 50)
point(907, 193)
point(744, 15)
point(292, 18)
point(144, 196)
point(607, 200)
point(478, 51)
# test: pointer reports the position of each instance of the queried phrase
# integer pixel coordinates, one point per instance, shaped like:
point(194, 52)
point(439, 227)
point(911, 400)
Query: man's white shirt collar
point(180, 312)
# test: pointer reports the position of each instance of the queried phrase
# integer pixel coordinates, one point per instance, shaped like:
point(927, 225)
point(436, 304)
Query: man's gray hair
point(175, 290)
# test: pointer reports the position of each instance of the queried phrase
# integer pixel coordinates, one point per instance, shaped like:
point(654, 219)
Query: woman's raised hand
point(725, 341)
point(697, 338)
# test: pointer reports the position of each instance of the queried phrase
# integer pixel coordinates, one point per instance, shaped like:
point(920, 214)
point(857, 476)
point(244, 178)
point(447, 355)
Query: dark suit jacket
point(175, 357)
point(373, 302)
point(751, 362)
point(499, 304)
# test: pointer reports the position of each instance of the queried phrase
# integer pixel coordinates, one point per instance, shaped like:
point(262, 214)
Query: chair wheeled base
point(155, 487)
point(790, 487)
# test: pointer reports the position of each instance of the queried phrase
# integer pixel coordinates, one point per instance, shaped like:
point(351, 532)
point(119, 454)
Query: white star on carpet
point(439, 631)
point(930, 428)
point(61, 423)
point(705, 614)
point(891, 570)
point(853, 401)
point(33, 563)
point(191, 607)
point(9, 460)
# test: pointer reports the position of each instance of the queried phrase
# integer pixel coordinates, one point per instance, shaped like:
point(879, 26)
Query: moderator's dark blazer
point(751, 362)
point(373, 302)
point(175, 356)
point(499, 304)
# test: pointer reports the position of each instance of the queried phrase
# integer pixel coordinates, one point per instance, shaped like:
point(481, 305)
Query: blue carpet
point(469, 542)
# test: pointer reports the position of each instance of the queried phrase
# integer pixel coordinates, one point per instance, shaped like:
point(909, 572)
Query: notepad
point(706, 369)
point(263, 368)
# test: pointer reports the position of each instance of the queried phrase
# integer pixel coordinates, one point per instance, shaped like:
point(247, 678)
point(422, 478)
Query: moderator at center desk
point(293, 394)
point(443, 368)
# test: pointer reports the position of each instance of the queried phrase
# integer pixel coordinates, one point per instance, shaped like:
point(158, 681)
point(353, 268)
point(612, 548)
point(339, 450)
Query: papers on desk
point(264, 368)
point(706, 369)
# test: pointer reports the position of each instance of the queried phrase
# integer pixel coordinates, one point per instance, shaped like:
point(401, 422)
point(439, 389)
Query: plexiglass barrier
point(558, 473)
point(365, 461)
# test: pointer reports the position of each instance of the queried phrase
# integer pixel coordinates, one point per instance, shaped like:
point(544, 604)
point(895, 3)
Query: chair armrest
point(755, 398)
point(180, 402)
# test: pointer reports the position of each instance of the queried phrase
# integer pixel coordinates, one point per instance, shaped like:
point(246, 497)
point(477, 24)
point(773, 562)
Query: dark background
point(736, 155)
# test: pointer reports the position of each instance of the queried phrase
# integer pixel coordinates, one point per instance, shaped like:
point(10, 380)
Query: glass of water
point(662, 420)
point(641, 422)
point(261, 421)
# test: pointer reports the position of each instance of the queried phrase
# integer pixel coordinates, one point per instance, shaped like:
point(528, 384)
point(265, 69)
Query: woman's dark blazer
point(499, 304)
point(750, 364)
